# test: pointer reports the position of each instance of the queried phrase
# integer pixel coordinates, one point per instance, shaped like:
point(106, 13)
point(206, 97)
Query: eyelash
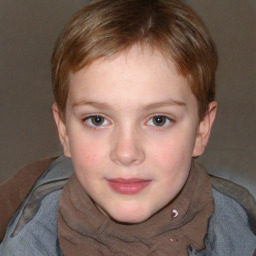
point(89, 121)
point(150, 122)
point(167, 121)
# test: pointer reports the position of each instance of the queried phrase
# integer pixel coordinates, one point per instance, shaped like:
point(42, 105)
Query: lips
point(128, 186)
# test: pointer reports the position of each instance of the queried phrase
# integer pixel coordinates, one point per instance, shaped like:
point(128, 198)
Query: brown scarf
point(84, 230)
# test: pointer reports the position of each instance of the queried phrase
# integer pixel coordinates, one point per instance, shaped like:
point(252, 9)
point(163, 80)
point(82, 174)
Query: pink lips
point(128, 186)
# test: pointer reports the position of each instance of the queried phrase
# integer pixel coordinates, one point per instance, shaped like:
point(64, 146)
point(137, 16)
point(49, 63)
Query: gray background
point(28, 30)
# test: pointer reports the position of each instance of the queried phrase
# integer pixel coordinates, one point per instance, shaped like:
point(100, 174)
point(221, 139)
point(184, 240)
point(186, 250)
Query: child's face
point(131, 129)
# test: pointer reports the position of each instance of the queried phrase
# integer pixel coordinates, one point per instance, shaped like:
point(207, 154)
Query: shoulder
point(231, 228)
point(236, 194)
point(39, 235)
point(33, 229)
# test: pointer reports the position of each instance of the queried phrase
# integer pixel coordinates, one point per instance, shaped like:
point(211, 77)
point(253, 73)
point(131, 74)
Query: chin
point(129, 219)
point(130, 216)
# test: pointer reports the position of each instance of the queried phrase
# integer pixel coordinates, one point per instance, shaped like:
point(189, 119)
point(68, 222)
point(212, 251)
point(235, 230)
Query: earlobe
point(204, 130)
point(62, 130)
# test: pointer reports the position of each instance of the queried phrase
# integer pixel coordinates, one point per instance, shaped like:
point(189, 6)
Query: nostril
point(127, 154)
point(126, 159)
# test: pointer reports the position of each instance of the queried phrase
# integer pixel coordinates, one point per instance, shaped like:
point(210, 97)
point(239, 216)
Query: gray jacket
point(33, 229)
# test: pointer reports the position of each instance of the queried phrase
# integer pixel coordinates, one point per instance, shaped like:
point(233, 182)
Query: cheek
point(172, 150)
point(87, 153)
point(172, 158)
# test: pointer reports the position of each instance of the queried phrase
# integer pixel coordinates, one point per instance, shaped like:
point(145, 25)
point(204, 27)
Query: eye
point(96, 121)
point(159, 120)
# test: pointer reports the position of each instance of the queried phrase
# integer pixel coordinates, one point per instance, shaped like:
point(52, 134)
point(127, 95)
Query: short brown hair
point(106, 27)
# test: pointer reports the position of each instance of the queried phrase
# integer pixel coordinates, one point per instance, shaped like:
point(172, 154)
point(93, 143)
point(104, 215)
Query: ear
point(204, 129)
point(62, 130)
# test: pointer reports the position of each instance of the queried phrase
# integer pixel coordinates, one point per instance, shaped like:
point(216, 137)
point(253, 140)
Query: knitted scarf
point(84, 230)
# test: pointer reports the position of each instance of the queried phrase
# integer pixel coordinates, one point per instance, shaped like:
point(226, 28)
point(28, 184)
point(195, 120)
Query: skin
point(147, 127)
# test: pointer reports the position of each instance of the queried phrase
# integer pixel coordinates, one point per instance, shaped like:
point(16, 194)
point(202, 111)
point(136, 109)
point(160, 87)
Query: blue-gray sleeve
point(228, 232)
point(38, 236)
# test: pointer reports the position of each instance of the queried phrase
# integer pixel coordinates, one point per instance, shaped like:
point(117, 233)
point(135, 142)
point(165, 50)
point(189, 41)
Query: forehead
point(139, 74)
point(137, 52)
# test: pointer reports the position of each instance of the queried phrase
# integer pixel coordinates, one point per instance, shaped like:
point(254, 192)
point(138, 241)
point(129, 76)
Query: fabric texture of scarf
point(84, 230)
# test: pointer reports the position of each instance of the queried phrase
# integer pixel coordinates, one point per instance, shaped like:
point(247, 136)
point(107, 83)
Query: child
point(135, 102)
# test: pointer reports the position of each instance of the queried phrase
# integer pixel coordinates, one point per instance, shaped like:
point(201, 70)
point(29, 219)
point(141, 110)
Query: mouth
point(128, 186)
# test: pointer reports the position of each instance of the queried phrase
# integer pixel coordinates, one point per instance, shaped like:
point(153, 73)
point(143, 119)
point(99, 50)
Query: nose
point(127, 148)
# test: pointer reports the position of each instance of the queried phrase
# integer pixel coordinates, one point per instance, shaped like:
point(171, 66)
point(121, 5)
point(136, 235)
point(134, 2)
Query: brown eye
point(159, 120)
point(96, 120)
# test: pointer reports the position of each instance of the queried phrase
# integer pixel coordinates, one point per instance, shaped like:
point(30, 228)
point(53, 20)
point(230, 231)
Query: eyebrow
point(104, 105)
point(166, 103)
point(91, 103)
